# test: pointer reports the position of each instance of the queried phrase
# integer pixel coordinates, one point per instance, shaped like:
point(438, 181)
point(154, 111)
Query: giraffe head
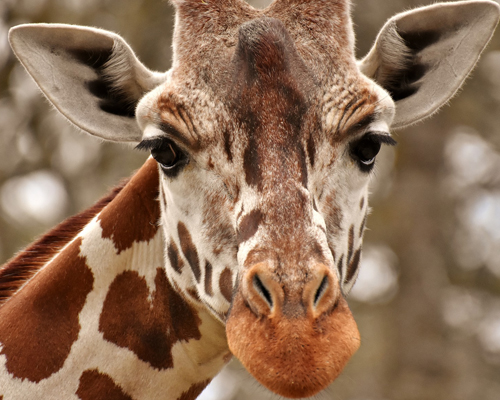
point(265, 131)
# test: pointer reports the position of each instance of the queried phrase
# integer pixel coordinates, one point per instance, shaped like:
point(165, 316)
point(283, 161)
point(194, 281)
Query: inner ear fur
point(422, 57)
point(90, 75)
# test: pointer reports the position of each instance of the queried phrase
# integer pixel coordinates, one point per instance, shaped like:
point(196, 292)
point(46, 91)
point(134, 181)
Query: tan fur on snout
point(293, 356)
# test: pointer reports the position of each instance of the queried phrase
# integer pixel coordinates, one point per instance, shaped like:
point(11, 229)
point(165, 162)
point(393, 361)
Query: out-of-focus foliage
point(428, 297)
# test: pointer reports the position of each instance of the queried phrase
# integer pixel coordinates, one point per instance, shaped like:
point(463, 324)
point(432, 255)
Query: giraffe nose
point(267, 294)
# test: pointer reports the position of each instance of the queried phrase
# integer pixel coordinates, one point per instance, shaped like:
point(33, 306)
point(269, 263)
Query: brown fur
point(249, 225)
point(226, 284)
point(353, 266)
point(20, 269)
point(321, 30)
point(95, 385)
point(189, 250)
point(174, 257)
point(149, 329)
point(208, 279)
point(140, 195)
point(37, 344)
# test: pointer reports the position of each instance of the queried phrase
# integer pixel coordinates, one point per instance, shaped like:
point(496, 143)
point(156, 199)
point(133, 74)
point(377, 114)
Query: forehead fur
point(206, 35)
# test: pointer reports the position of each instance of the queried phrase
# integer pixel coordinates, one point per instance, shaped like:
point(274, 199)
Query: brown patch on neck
point(95, 385)
point(147, 328)
point(133, 216)
point(16, 272)
point(189, 250)
point(40, 324)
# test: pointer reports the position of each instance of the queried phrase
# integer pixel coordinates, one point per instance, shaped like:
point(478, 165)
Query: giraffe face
point(264, 200)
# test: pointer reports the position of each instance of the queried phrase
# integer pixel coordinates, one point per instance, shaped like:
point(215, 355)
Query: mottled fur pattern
point(81, 353)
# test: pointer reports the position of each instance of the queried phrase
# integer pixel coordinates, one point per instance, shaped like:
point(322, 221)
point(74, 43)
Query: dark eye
point(365, 150)
point(170, 157)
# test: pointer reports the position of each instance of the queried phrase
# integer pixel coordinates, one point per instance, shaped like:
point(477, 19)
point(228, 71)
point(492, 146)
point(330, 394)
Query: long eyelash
point(150, 144)
point(383, 138)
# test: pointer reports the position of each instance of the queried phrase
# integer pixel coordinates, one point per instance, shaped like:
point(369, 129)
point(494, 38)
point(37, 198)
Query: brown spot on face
point(189, 250)
point(353, 266)
point(210, 163)
point(350, 248)
point(251, 158)
point(194, 391)
point(95, 385)
point(226, 284)
point(174, 257)
point(249, 225)
point(208, 279)
point(362, 203)
point(140, 195)
point(340, 264)
point(227, 145)
point(146, 327)
point(49, 305)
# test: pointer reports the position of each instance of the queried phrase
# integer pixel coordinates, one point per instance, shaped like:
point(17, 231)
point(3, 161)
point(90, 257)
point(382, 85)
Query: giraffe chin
point(293, 357)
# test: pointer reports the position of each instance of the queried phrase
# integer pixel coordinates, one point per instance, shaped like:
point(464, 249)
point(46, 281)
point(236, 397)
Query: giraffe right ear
point(422, 56)
point(90, 75)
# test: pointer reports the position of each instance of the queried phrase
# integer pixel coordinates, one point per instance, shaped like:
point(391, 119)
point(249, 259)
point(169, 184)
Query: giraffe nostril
point(262, 290)
point(321, 290)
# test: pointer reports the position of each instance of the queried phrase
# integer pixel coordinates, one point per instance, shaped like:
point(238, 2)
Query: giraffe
point(242, 233)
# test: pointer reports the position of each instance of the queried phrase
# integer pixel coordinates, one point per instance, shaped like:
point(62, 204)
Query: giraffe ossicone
point(242, 234)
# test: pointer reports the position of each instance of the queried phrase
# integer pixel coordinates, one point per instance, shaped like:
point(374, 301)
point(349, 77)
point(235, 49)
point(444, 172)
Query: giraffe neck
point(100, 319)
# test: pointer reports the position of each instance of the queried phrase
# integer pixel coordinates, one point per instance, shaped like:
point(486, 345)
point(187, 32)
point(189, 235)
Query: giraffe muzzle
point(268, 295)
point(294, 337)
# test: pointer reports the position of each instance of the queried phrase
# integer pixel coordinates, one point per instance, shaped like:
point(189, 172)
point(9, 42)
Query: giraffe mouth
point(293, 356)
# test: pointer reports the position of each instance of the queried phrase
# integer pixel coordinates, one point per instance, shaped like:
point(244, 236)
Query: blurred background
point(427, 300)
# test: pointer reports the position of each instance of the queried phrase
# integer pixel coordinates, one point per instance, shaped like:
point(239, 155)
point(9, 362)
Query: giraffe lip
point(317, 348)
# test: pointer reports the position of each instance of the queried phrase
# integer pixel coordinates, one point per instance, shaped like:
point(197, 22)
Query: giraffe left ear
point(90, 75)
point(422, 57)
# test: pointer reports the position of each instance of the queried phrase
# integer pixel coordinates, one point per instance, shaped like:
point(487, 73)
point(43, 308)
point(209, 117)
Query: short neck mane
point(21, 268)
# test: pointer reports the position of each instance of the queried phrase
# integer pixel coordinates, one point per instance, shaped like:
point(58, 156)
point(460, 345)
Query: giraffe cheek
point(293, 357)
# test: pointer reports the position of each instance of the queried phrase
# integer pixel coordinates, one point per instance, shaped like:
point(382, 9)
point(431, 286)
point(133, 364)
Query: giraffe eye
point(365, 150)
point(170, 157)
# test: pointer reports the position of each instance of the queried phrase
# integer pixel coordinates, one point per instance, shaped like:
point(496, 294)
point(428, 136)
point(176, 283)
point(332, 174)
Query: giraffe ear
point(91, 76)
point(422, 57)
